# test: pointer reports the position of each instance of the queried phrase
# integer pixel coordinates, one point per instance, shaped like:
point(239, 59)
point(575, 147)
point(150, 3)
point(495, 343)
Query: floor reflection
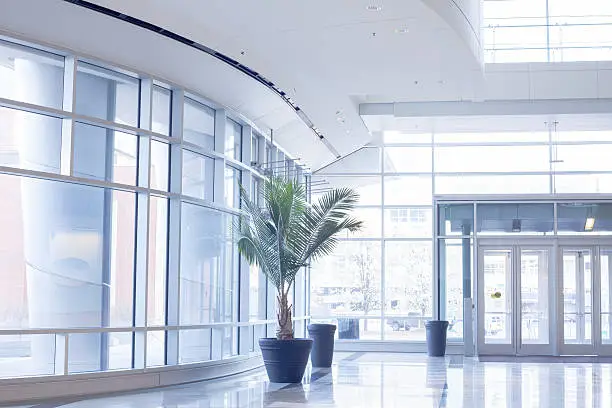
point(392, 380)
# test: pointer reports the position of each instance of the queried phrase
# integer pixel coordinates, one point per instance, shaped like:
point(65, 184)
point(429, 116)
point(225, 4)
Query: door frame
point(595, 245)
point(515, 246)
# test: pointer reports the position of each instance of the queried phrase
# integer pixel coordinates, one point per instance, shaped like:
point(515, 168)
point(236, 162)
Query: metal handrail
point(87, 330)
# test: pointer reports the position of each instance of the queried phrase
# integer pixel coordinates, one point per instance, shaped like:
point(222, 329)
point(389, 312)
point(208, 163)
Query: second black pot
point(285, 360)
point(435, 333)
point(323, 347)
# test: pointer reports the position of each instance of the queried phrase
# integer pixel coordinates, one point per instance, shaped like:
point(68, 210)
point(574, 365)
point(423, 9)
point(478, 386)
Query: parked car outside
point(407, 323)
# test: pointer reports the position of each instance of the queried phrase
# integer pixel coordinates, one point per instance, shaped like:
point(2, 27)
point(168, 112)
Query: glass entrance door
point(513, 303)
point(586, 299)
point(577, 301)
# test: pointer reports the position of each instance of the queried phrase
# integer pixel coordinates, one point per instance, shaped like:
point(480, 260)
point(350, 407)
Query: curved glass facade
point(118, 195)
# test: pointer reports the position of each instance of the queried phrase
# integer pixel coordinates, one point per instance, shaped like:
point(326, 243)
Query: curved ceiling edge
point(463, 16)
point(201, 47)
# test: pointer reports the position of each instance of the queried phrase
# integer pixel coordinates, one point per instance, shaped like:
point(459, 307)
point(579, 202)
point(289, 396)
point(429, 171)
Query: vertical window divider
point(174, 229)
point(143, 209)
point(244, 283)
point(382, 241)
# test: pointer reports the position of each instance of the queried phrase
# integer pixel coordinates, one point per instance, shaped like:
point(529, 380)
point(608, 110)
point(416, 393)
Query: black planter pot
point(322, 336)
point(436, 337)
point(285, 360)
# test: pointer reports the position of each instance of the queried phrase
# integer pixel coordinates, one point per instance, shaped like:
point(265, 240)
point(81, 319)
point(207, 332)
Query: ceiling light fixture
point(401, 31)
point(589, 224)
point(373, 7)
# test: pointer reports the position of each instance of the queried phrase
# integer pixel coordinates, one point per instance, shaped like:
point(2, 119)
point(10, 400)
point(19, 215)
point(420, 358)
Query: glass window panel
point(372, 223)
point(232, 187)
point(255, 193)
point(368, 187)
point(347, 283)
point(195, 346)
point(560, 11)
point(516, 37)
point(606, 295)
point(408, 222)
point(581, 35)
point(279, 165)
point(198, 175)
point(491, 159)
point(583, 136)
point(27, 355)
point(199, 124)
point(160, 155)
point(527, 219)
point(408, 289)
point(224, 342)
point(161, 110)
point(456, 219)
point(492, 184)
point(577, 309)
point(589, 157)
point(30, 141)
point(511, 9)
point(407, 159)
point(31, 76)
point(158, 257)
point(534, 304)
point(255, 149)
point(364, 160)
point(156, 346)
point(498, 328)
point(394, 137)
point(414, 190)
point(582, 183)
point(104, 154)
point(107, 94)
point(490, 137)
point(233, 140)
point(455, 263)
point(65, 241)
point(581, 54)
point(516, 55)
point(205, 277)
point(576, 218)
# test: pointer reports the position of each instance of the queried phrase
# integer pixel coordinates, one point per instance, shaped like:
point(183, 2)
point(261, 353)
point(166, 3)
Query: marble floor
point(389, 380)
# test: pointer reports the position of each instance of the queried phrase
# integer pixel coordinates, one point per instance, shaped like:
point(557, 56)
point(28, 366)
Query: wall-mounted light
point(516, 225)
point(589, 224)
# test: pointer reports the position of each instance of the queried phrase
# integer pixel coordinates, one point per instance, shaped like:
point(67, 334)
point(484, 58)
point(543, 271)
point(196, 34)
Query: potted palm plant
point(281, 237)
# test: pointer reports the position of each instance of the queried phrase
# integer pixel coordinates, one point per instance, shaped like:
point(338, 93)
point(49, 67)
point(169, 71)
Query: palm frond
point(287, 233)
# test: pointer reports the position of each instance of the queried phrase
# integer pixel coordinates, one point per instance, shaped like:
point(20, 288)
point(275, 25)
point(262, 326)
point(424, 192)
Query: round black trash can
point(322, 336)
point(436, 337)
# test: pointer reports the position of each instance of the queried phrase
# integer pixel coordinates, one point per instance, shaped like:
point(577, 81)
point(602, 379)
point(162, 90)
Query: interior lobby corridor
point(385, 380)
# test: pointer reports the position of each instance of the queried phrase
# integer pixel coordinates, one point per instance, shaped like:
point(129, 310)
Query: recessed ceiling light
point(373, 7)
point(401, 31)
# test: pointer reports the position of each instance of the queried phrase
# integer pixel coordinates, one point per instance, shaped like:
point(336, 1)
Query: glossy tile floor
point(390, 380)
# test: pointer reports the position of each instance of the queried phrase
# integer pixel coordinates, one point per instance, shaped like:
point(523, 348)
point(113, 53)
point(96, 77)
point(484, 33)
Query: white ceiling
point(328, 56)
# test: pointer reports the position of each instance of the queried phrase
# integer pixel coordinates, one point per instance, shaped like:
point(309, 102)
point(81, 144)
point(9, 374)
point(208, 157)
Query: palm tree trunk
point(283, 315)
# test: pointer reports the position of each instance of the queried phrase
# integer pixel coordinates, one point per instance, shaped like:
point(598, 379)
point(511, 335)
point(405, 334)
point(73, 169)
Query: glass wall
point(378, 284)
point(547, 30)
point(118, 198)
